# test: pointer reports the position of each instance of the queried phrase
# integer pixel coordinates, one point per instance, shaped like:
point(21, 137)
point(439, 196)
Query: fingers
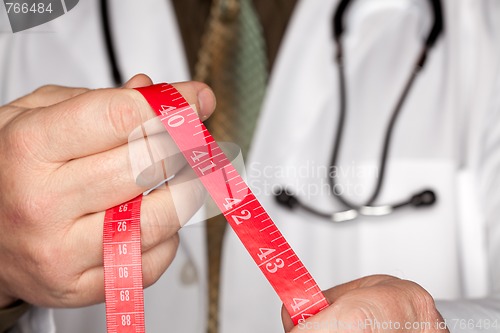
point(334, 294)
point(48, 95)
point(89, 288)
point(156, 261)
point(97, 182)
point(99, 120)
point(163, 212)
point(321, 323)
point(53, 94)
point(286, 319)
point(137, 81)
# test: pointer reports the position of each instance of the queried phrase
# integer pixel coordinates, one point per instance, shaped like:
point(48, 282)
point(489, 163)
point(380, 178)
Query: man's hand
point(64, 161)
point(372, 304)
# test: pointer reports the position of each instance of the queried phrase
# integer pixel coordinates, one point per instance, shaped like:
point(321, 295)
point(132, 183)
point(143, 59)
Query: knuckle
point(155, 264)
point(17, 208)
point(176, 239)
point(34, 206)
point(22, 141)
point(17, 141)
point(352, 311)
point(361, 314)
point(45, 89)
point(198, 193)
point(196, 196)
point(160, 222)
point(45, 256)
point(424, 302)
point(45, 259)
point(124, 113)
point(175, 242)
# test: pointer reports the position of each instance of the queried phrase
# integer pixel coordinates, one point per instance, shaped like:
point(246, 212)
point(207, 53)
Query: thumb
point(137, 81)
point(336, 292)
point(286, 319)
point(102, 119)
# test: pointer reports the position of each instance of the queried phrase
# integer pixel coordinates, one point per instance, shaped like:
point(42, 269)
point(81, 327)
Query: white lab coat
point(446, 139)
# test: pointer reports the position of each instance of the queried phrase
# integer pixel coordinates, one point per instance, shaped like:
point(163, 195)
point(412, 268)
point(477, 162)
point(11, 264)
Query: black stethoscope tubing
point(421, 199)
point(284, 197)
point(108, 41)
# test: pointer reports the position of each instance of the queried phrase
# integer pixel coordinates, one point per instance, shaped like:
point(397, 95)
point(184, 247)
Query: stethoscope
point(284, 197)
point(424, 198)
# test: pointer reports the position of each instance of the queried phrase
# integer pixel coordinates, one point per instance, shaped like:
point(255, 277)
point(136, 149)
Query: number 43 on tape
point(271, 252)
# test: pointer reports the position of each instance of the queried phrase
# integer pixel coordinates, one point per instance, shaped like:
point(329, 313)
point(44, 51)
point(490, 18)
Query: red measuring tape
point(123, 268)
point(271, 252)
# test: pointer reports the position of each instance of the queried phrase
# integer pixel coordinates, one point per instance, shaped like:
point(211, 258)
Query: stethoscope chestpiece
point(423, 199)
point(426, 198)
point(286, 199)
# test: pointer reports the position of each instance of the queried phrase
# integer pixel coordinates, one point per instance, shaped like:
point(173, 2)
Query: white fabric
point(447, 138)
point(438, 139)
point(35, 320)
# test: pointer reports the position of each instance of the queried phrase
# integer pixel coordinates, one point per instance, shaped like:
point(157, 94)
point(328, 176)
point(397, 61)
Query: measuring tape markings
point(271, 252)
point(123, 268)
point(297, 289)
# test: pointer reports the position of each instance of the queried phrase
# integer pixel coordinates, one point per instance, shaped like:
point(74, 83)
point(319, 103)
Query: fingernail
point(207, 102)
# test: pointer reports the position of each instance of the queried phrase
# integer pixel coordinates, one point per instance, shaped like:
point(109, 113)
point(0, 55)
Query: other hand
point(374, 304)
